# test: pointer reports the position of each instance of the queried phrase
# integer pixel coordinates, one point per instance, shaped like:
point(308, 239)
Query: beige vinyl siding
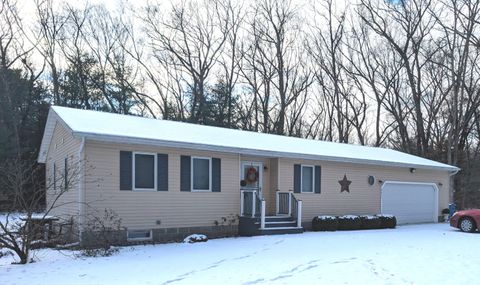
point(63, 145)
point(363, 198)
point(172, 208)
point(272, 206)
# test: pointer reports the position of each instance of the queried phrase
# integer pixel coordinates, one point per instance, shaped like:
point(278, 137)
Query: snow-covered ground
point(416, 254)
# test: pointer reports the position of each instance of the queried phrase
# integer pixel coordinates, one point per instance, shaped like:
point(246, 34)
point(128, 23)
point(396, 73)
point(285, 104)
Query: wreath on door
point(252, 175)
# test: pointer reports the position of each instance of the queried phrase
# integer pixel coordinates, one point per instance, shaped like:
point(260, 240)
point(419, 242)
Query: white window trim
point(140, 238)
point(154, 171)
point(301, 178)
point(209, 174)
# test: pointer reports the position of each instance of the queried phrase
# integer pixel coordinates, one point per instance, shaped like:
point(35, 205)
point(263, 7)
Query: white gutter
point(454, 172)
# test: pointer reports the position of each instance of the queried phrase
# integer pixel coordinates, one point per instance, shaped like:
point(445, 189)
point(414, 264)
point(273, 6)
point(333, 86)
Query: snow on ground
point(415, 254)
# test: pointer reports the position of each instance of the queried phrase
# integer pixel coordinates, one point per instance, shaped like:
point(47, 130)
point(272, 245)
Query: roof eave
point(52, 119)
point(260, 152)
point(47, 136)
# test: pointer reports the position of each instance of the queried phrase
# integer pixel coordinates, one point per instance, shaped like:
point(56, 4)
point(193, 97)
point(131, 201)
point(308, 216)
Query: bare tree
point(325, 47)
point(275, 66)
point(458, 63)
point(369, 69)
point(20, 228)
point(406, 27)
point(189, 41)
point(50, 32)
point(231, 58)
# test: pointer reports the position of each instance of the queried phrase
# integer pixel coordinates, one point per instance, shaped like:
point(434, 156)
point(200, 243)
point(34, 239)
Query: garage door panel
point(410, 203)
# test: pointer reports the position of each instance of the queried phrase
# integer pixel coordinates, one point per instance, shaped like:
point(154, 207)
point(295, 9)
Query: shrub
point(4, 253)
point(324, 223)
point(388, 221)
point(102, 232)
point(195, 238)
point(371, 222)
point(349, 222)
point(445, 211)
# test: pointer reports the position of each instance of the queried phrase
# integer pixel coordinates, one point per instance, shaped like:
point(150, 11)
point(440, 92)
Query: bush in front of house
point(325, 223)
point(388, 221)
point(349, 222)
point(371, 222)
point(353, 222)
point(195, 238)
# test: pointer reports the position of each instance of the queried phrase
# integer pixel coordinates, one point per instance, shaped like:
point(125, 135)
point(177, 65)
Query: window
point(201, 173)
point(307, 179)
point(144, 170)
point(139, 234)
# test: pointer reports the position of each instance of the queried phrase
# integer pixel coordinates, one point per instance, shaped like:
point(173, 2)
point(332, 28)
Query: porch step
point(281, 230)
point(278, 219)
point(279, 224)
point(274, 225)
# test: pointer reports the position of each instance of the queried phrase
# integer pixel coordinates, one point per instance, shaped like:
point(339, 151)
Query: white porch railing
point(284, 207)
point(252, 205)
point(288, 204)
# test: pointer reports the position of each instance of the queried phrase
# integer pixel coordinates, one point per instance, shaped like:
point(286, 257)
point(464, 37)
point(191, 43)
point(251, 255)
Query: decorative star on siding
point(345, 184)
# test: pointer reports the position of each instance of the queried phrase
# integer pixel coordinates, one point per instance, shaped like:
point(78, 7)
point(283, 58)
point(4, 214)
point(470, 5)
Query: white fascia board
point(257, 152)
point(52, 119)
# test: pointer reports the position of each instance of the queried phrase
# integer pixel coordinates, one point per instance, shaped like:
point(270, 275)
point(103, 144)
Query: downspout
point(450, 190)
point(81, 189)
point(240, 178)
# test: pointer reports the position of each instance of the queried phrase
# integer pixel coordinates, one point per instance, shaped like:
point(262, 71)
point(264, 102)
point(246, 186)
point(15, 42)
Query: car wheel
point(467, 225)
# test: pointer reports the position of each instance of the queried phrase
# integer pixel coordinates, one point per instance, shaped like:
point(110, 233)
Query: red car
point(466, 221)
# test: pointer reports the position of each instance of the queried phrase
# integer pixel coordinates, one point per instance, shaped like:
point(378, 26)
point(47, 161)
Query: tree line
point(397, 74)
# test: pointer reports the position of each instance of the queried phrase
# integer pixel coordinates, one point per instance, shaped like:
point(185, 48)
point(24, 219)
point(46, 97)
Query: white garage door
point(410, 202)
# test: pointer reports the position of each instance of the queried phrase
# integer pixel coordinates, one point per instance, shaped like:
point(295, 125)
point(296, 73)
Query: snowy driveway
point(417, 254)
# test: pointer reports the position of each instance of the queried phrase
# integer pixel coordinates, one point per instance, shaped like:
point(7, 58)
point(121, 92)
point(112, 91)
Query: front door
point(251, 175)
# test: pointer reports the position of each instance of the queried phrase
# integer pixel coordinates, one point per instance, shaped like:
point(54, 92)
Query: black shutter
point(65, 174)
point(125, 170)
point(162, 172)
point(318, 179)
point(216, 174)
point(54, 177)
point(185, 177)
point(297, 172)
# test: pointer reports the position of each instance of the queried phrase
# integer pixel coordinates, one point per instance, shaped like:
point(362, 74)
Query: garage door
point(410, 202)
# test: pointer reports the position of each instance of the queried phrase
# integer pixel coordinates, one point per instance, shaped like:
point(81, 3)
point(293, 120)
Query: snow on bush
point(325, 217)
point(353, 222)
point(349, 222)
point(325, 223)
point(195, 238)
point(368, 217)
point(370, 222)
point(349, 217)
point(388, 221)
point(385, 216)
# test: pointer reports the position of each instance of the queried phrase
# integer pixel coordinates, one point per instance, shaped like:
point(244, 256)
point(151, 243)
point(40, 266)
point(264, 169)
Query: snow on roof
point(132, 129)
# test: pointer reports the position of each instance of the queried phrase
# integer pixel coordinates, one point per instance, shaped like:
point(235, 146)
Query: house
point(166, 179)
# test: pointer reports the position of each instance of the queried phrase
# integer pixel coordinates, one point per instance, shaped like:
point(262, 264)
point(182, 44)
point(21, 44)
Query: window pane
point(251, 176)
point(307, 179)
point(144, 171)
point(139, 234)
point(201, 174)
